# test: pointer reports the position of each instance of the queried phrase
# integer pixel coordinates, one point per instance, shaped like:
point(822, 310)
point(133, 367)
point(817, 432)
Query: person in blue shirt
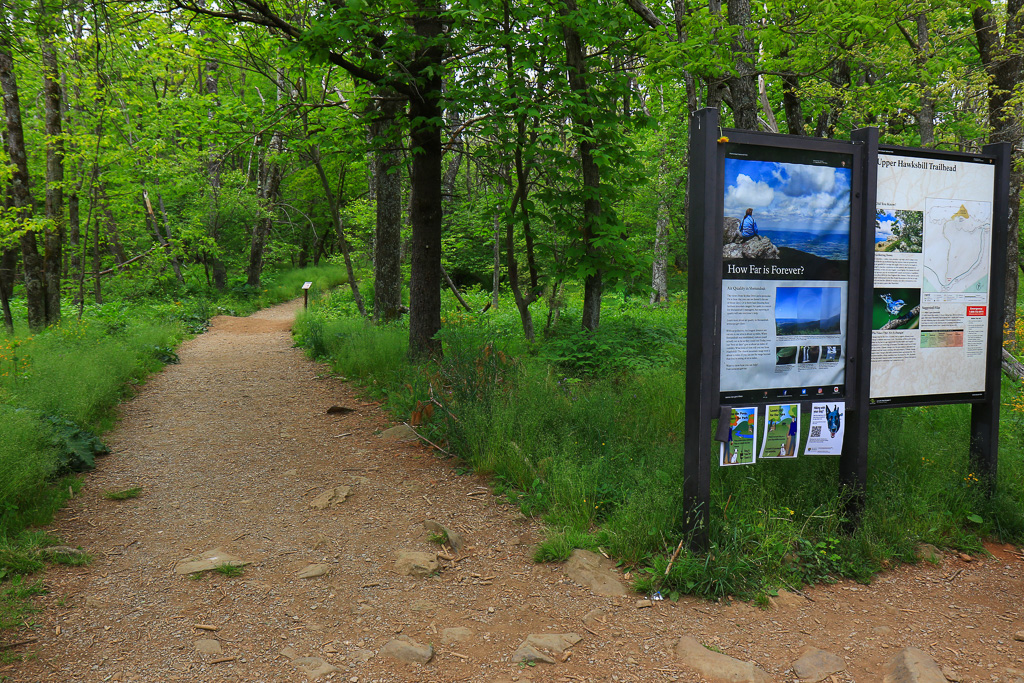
point(748, 228)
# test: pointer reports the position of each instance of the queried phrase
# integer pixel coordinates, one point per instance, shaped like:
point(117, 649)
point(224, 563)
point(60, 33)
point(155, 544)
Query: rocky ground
point(335, 522)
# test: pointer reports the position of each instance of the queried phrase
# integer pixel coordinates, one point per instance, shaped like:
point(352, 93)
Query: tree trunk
point(387, 266)
point(270, 173)
point(743, 86)
point(339, 230)
point(659, 279)
point(425, 201)
point(53, 237)
point(32, 263)
point(1002, 57)
point(496, 273)
point(926, 113)
point(575, 57)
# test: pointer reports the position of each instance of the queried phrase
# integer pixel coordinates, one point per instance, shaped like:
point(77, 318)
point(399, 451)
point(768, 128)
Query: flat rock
point(362, 655)
point(1018, 636)
point(553, 642)
point(596, 618)
point(788, 600)
point(313, 571)
point(313, 667)
point(457, 634)
point(528, 653)
point(816, 665)
point(455, 539)
point(97, 603)
point(911, 665)
point(716, 667)
point(643, 604)
point(289, 653)
point(592, 571)
point(332, 496)
point(405, 649)
point(399, 433)
point(208, 646)
point(417, 564)
point(209, 561)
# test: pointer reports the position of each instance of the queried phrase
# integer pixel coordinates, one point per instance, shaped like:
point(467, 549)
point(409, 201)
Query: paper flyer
point(781, 431)
point(740, 448)
point(828, 425)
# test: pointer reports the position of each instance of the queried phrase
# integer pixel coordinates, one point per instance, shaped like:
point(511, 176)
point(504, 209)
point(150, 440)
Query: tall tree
point(1002, 54)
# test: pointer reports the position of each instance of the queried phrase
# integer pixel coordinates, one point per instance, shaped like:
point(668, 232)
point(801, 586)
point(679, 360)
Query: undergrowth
point(585, 430)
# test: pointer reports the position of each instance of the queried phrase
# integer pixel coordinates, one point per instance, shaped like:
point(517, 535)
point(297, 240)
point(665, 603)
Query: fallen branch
point(1012, 367)
point(455, 290)
point(133, 259)
point(17, 643)
point(672, 559)
point(423, 438)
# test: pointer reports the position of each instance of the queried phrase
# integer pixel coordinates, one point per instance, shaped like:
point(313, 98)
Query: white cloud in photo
point(883, 229)
point(748, 193)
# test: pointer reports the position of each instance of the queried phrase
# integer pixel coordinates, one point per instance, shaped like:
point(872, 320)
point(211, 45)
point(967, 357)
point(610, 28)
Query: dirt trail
point(232, 446)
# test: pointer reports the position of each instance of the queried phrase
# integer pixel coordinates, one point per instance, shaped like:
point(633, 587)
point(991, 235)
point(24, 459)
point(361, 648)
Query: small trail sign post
point(305, 294)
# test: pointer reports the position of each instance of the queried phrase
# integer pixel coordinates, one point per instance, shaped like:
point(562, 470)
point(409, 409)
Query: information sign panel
point(933, 262)
point(785, 274)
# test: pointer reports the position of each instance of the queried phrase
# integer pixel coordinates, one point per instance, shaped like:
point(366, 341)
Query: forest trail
point(233, 446)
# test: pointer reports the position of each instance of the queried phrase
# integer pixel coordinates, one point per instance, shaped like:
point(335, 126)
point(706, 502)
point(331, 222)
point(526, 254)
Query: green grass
point(127, 494)
point(586, 431)
point(230, 570)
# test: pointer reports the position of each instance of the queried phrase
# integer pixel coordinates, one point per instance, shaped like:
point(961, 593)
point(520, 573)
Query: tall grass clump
point(58, 389)
point(585, 430)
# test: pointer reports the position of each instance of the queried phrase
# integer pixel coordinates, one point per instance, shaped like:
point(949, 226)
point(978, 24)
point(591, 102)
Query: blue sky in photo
point(883, 231)
point(793, 197)
point(798, 303)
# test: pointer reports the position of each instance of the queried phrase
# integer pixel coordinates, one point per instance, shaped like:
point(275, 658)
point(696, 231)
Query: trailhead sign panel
point(785, 274)
point(933, 257)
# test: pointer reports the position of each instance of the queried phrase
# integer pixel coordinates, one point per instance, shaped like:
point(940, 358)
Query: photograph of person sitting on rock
point(748, 228)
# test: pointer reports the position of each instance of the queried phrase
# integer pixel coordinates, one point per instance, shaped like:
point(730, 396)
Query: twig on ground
point(675, 554)
point(420, 436)
point(17, 643)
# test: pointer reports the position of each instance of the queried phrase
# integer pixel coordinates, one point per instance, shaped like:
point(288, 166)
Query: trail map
point(957, 235)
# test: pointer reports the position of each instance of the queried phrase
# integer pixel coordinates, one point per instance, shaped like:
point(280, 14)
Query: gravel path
point(233, 445)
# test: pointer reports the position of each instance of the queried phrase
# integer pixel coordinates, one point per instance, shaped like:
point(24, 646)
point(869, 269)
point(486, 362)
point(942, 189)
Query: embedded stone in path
point(417, 564)
point(455, 539)
point(911, 665)
point(332, 496)
point(313, 667)
point(717, 667)
point(592, 571)
point(208, 646)
point(313, 571)
point(457, 634)
point(528, 653)
point(816, 665)
point(405, 649)
point(399, 433)
point(554, 642)
point(208, 561)
point(1019, 636)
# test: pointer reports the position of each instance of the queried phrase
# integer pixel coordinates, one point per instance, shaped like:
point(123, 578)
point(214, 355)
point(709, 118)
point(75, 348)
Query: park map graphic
point(956, 236)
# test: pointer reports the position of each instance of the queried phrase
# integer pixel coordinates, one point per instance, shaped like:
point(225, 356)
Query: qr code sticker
point(815, 431)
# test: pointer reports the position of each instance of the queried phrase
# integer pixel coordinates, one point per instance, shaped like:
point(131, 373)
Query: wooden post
point(704, 273)
point(984, 452)
point(305, 294)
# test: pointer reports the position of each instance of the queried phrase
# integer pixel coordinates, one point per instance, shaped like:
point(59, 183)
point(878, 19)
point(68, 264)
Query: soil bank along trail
point(240, 462)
